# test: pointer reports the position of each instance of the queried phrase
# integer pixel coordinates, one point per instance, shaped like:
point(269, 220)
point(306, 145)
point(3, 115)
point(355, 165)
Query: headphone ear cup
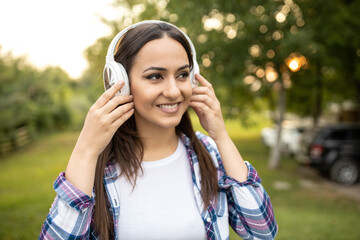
point(195, 70)
point(113, 73)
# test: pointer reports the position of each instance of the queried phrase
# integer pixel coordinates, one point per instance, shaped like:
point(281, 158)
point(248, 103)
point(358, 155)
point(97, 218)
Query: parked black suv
point(336, 150)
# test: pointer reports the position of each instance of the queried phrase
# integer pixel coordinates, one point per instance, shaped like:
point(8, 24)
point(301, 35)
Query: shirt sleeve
point(250, 211)
point(70, 215)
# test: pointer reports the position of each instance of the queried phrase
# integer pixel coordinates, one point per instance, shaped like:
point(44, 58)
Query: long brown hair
point(125, 140)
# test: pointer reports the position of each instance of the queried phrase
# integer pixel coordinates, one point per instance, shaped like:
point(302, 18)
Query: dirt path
point(313, 180)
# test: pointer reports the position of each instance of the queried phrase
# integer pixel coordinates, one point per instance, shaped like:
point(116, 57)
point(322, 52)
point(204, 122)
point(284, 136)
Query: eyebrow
point(164, 69)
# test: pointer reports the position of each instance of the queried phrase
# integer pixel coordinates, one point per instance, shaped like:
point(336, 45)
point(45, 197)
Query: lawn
point(26, 192)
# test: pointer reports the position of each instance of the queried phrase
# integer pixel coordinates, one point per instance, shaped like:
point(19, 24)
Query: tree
point(334, 26)
point(31, 99)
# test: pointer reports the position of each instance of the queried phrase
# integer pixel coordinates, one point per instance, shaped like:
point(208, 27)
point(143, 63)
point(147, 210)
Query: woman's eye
point(155, 76)
point(183, 75)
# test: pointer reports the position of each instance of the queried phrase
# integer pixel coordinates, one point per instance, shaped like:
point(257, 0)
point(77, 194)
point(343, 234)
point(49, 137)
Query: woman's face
point(160, 83)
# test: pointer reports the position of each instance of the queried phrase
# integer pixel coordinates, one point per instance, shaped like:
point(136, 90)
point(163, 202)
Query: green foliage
point(334, 26)
point(36, 100)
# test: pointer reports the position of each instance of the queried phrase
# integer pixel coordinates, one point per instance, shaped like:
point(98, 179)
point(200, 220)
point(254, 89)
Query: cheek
point(144, 98)
point(141, 100)
point(138, 95)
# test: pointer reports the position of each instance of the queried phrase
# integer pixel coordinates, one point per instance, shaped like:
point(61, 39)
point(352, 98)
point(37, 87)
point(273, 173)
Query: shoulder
point(208, 143)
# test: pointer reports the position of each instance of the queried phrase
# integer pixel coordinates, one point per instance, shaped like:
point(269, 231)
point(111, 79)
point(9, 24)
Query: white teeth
point(168, 106)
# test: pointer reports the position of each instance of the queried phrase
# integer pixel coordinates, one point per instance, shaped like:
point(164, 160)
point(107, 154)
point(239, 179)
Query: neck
point(158, 143)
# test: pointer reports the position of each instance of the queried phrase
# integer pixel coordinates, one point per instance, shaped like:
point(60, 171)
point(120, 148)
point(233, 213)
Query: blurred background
point(287, 73)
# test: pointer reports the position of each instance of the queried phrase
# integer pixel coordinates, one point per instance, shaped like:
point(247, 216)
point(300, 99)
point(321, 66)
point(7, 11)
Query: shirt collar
point(185, 139)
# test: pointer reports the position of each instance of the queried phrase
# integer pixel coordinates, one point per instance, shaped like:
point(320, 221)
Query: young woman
point(138, 169)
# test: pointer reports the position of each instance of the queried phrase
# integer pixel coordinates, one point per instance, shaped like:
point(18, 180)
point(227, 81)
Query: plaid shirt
point(245, 206)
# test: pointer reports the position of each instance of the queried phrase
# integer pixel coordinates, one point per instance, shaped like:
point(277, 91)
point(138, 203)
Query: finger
point(116, 101)
point(121, 110)
point(119, 121)
point(201, 89)
point(204, 90)
point(199, 107)
point(198, 111)
point(212, 102)
point(204, 99)
point(203, 81)
point(108, 94)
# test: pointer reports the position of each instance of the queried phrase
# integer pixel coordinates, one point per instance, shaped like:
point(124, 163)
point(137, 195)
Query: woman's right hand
point(107, 114)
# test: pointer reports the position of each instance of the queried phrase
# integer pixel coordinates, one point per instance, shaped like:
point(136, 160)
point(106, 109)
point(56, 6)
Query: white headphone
point(114, 71)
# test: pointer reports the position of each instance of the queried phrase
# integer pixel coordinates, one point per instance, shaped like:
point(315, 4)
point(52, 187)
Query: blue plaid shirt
point(244, 205)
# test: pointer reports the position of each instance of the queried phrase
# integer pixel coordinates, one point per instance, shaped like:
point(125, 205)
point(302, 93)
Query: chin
point(169, 123)
point(158, 122)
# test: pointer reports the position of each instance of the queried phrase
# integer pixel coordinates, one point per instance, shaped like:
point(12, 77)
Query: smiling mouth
point(168, 106)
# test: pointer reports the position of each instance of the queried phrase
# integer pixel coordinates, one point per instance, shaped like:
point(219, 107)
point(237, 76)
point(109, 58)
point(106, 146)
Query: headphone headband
point(112, 73)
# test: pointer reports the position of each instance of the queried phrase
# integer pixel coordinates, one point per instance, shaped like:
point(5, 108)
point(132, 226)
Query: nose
point(171, 89)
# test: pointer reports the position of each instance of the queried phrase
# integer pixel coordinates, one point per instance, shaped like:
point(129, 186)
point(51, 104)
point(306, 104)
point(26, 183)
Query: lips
point(169, 108)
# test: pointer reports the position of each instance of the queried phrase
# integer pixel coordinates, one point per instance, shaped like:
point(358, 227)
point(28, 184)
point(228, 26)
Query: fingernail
point(120, 82)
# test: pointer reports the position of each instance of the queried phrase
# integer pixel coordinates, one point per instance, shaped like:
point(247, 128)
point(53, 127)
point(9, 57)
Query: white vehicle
point(290, 138)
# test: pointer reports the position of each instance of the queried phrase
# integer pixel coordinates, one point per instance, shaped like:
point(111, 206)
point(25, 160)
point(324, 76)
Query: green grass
point(302, 213)
point(26, 179)
point(26, 192)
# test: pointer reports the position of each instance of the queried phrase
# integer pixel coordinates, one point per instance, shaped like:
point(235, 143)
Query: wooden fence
point(22, 137)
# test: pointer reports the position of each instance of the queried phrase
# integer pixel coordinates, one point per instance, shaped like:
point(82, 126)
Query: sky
point(53, 32)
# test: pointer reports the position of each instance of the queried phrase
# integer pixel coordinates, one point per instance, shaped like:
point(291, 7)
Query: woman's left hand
point(208, 109)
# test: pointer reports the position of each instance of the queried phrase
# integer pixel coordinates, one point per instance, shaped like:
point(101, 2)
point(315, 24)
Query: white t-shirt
point(162, 205)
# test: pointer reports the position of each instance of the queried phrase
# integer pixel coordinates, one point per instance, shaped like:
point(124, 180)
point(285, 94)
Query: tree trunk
point(275, 153)
point(318, 97)
point(357, 84)
point(350, 74)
